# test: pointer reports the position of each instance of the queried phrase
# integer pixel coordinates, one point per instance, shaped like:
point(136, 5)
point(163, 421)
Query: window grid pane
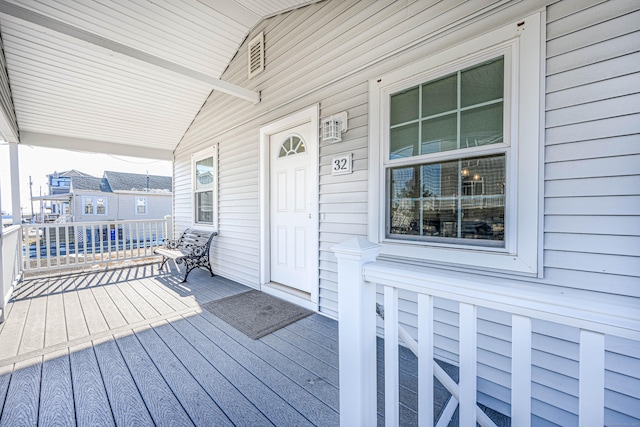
point(461, 110)
point(458, 199)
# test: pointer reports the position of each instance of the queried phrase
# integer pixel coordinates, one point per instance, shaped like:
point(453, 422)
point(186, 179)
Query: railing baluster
point(57, 246)
point(38, 237)
point(425, 360)
point(146, 234)
point(47, 233)
point(468, 363)
point(117, 241)
point(66, 245)
point(520, 371)
point(391, 361)
point(138, 239)
point(591, 379)
point(85, 237)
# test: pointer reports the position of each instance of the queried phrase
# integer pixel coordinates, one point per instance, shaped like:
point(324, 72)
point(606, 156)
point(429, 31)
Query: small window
point(87, 202)
point(141, 205)
point(292, 145)
point(205, 187)
point(101, 206)
point(94, 205)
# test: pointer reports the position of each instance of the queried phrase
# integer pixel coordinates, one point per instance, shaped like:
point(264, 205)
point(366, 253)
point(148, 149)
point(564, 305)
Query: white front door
point(292, 209)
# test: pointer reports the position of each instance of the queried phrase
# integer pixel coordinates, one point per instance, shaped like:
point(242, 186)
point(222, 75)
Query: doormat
point(256, 313)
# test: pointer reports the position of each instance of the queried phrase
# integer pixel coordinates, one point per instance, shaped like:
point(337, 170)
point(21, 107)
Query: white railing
point(10, 264)
point(359, 276)
point(64, 245)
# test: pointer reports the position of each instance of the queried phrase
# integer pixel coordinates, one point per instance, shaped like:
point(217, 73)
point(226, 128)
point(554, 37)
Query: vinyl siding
point(327, 52)
point(6, 100)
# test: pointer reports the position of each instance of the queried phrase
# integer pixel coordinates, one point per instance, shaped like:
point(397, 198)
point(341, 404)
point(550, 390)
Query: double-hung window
point(456, 149)
point(204, 170)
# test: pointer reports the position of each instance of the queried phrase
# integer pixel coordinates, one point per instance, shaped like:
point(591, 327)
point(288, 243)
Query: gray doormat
point(256, 313)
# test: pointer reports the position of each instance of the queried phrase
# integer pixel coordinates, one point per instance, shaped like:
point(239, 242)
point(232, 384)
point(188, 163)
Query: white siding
point(6, 99)
point(592, 185)
point(327, 52)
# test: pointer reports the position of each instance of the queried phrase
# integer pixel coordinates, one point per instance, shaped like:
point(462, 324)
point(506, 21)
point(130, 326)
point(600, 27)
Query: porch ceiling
point(124, 76)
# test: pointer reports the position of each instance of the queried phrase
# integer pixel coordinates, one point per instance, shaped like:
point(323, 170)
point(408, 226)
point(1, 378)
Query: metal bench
point(192, 249)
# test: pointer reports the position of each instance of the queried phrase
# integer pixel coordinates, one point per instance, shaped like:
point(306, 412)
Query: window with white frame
point(141, 205)
point(94, 205)
point(204, 170)
point(456, 165)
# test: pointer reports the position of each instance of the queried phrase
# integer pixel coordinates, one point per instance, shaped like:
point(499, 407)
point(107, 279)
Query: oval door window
point(291, 146)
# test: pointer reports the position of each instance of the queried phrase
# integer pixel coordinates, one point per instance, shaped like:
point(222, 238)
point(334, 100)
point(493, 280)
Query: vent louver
point(256, 55)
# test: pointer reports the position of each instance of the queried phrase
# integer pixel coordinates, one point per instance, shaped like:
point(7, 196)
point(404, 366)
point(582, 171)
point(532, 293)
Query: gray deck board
point(198, 404)
point(91, 311)
point(11, 336)
point(307, 404)
point(33, 334)
point(128, 310)
point(74, 317)
point(146, 310)
point(90, 396)
point(157, 395)
point(109, 310)
point(237, 407)
point(5, 378)
point(55, 327)
point(56, 391)
point(301, 374)
point(126, 403)
point(168, 296)
point(259, 393)
point(157, 303)
point(21, 402)
point(321, 370)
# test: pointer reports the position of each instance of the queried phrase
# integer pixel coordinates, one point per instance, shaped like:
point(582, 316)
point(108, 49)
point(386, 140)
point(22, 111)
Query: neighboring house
point(484, 139)
point(116, 196)
point(59, 184)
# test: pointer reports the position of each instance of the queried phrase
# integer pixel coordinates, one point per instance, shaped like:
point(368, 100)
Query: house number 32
point(341, 165)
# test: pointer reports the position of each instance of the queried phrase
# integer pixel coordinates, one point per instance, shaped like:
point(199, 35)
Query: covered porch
point(134, 346)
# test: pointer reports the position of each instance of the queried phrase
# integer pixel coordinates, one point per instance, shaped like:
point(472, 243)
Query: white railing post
point(168, 227)
point(357, 329)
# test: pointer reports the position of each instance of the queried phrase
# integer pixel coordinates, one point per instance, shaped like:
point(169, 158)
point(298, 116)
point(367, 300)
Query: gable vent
point(256, 55)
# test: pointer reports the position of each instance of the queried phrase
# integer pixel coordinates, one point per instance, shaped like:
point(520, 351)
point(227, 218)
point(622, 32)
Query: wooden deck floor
point(133, 347)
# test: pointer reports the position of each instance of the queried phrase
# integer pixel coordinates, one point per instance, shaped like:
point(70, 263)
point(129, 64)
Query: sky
point(38, 162)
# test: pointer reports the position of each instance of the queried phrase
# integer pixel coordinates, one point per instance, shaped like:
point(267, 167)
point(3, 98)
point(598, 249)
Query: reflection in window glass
point(204, 173)
point(458, 199)
point(457, 111)
point(204, 187)
point(204, 207)
point(101, 206)
point(88, 206)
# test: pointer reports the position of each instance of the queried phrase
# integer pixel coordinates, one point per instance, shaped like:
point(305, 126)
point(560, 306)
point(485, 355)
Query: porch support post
point(16, 212)
point(357, 333)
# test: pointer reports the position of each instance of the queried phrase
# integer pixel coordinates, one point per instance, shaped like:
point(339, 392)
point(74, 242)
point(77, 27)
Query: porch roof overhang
point(121, 77)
